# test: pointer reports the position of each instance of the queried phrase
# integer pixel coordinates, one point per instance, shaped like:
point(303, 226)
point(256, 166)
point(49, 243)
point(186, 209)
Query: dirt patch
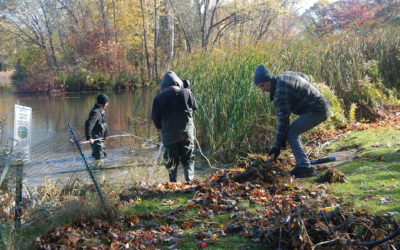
point(341, 158)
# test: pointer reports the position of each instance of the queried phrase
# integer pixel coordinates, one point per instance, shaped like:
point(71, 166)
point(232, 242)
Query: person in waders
point(292, 92)
point(173, 113)
point(96, 130)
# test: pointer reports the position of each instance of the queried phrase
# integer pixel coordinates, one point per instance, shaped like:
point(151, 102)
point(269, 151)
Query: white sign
point(22, 130)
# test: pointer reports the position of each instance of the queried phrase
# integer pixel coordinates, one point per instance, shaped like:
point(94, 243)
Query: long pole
point(99, 139)
point(137, 137)
point(155, 161)
point(86, 164)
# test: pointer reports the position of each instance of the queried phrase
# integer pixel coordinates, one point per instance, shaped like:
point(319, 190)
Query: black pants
point(98, 149)
point(180, 152)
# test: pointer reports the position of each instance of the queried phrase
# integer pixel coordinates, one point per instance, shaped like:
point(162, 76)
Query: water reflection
point(127, 111)
point(55, 158)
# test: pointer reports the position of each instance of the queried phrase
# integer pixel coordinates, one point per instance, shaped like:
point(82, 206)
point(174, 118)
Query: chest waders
point(98, 147)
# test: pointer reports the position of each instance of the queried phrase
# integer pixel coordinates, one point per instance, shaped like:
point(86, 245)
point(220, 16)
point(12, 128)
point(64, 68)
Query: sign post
point(22, 131)
point(22, 146)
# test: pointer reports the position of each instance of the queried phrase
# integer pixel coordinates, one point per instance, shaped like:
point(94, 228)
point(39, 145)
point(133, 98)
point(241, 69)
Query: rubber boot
point(189, 172)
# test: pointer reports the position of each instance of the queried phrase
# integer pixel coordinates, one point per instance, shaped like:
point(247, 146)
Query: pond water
point(55, 158)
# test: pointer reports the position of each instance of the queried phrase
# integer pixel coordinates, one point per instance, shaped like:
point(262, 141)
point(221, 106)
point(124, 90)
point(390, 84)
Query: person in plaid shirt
point(292, 92)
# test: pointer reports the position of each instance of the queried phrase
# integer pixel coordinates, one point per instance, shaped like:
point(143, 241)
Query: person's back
point(173, 114)
point(175, 108)
point(298, 94)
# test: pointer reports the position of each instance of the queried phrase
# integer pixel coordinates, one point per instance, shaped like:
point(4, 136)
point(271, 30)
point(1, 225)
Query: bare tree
point(115, 22)
point(156, 30)
point(185, 32)
point(32, 23)
point(44, 5)
point(103, 14)
point(145, 40)
point(171, 32)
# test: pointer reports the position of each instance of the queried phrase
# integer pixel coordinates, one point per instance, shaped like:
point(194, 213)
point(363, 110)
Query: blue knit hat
point(102, 99)
point(262, 74)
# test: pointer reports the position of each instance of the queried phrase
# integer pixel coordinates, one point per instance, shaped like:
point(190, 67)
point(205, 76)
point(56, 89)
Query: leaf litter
point(275, 214)
point(258, 201)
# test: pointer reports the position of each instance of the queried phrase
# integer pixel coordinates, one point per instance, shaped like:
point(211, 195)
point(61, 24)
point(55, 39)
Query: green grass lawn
point(374, 174)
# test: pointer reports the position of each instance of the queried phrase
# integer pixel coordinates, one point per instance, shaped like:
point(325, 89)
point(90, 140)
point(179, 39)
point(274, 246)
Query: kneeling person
point(173, 114)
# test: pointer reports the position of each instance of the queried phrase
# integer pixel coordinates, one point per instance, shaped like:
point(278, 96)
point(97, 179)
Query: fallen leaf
point(214, 237)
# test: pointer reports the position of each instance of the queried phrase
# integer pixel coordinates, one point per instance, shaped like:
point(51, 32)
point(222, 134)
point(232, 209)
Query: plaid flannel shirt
point(294, 94)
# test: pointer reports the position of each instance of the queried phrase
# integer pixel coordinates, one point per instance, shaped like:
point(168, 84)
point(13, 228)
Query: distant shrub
point(74, 82)
point(352, 113)
point(40, 82)
point(337, 118)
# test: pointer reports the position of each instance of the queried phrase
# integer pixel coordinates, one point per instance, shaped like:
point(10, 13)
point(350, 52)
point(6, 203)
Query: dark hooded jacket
point(96, 124)
point(173, 110)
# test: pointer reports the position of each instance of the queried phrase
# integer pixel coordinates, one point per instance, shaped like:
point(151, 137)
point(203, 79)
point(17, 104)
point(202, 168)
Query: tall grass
point(234, 116)
point(229, 105)
point(86, 80)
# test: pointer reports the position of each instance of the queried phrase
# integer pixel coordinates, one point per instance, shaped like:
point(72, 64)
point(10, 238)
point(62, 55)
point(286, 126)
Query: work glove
point(275, 151)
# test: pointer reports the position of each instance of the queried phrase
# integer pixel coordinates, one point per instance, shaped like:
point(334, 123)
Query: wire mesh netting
point(56, 165)
point(58, 159)
point(6, 151)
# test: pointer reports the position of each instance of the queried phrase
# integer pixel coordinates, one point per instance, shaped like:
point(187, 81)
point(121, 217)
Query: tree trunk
point(50, 34)
point(115, 22)
point(104, 20)
point(203, 5)
point(145, 40)
point(171, 32)
point(156, 30)
point(185, 34)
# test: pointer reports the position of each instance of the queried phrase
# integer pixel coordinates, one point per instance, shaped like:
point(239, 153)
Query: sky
point(306, 5)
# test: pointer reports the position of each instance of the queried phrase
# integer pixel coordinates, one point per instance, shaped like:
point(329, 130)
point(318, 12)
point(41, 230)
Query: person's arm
point(282, 129)
point(283, 111)
point(106, 132)
point(155, 114)
point(192, 101)
point(89, 124)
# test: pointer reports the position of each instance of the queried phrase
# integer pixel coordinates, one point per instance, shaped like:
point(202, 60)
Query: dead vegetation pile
point(258, 169)
point(264, 209)
point(332, 175)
